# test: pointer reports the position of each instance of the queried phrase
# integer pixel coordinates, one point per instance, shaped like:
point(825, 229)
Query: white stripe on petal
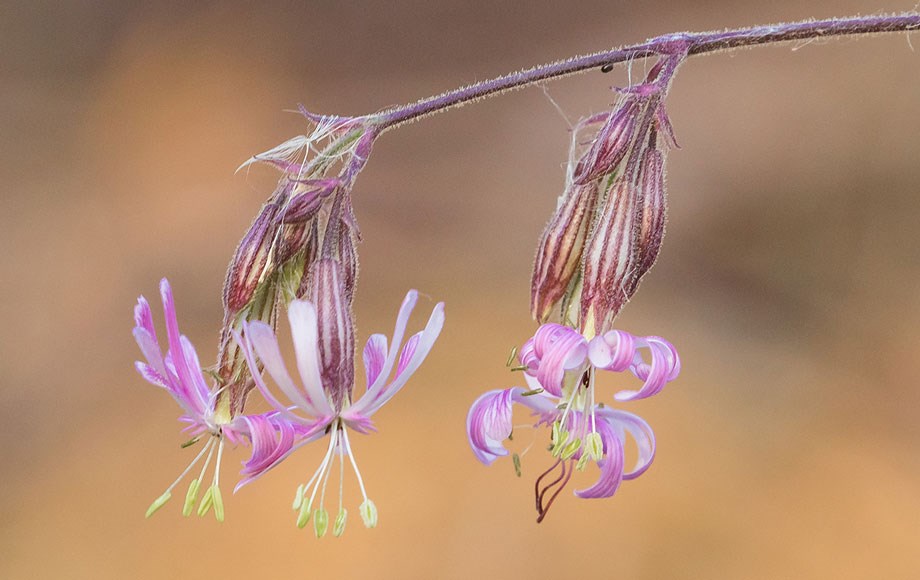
point(302, 316)
point(263, 340)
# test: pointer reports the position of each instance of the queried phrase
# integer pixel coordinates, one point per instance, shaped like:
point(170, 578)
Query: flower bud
point(610, 144)
point(336, 340)
point(559, 252)
point(654, 207)
point(609, 258)
point(250, 262)
point(303, 205)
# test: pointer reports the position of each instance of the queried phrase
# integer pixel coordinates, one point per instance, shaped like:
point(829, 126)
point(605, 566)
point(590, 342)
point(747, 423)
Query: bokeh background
point(788, 280)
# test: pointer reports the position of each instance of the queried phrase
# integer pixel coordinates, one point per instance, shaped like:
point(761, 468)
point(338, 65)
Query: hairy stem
point(669, 44)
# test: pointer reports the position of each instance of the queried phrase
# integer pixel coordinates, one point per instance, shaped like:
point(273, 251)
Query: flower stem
point(669, 44)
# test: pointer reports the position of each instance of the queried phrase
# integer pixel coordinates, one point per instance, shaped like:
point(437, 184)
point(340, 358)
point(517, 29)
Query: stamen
point(161, 501)
point(322, 468)
point(354, 465)
point(338, 528)
point(511, 356)
point(298, 498)
point(320, 522)
point(368, 509)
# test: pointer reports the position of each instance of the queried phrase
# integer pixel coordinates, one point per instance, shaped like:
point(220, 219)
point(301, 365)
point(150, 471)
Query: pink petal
point(143, 317)
point(150, 375)
point(375, 353)
point(316, 431)
point(402, 319)
point(371, 401)
point(665, 367)
point(611, 466)
point(266, 447)
point(489, 423)
point(407, 352)
point(560, 349)
point(613, 351)
point(172, 335)
point(640, 431)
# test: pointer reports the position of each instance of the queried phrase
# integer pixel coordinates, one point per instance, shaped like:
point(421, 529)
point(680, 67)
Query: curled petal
point(640, 431)
point(267, 448)
point(489, 420)
point(489, 423)
point(663, 368)
point(612, 351)
point(274, 451)
point(611, 466)
point(558, 349)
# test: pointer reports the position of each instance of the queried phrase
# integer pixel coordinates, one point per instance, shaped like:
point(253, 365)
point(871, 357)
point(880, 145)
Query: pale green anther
point(190, 442)
point(206, 502)
point(582, 462)
point(368, 513)
point(298, 498)
point(218, 504)
point(511, 356)
point(560, 438)
point(594, 446)
point(320, 522)
point(533, 392)
point(518, 368)
point(571, 449)
point(516, 459)
point(190, 497)
point(157, 504)
point(305, 512)
point(338, 528)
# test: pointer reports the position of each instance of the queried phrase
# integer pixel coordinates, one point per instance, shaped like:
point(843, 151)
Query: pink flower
point(560, 367)
point(179, 373)
point(319, 405)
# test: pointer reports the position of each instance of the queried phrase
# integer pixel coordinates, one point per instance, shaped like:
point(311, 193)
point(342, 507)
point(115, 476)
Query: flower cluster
point(309, 216)
point(602, 239)
point(299, 255)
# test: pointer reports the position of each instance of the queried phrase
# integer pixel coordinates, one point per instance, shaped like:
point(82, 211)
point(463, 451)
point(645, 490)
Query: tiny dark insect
point(606, 68)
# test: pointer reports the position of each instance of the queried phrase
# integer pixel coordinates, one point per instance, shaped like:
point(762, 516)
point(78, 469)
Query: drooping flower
point(308, 215)
point(560, 367)
point(321, 403)
point(179, 373)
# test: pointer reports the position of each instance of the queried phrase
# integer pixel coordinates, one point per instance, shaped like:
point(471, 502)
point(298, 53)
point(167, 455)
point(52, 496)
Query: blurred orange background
point(788, 448)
